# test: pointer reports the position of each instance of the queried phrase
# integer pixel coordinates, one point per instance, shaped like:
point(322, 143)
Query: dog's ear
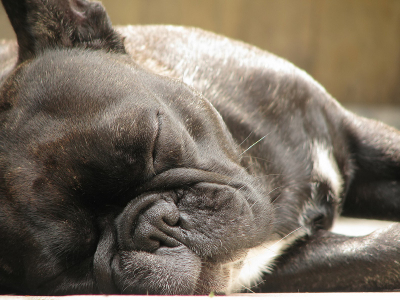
point(43, 24)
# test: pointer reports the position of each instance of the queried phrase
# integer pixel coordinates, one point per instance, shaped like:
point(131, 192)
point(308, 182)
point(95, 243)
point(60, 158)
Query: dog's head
point(113, 179)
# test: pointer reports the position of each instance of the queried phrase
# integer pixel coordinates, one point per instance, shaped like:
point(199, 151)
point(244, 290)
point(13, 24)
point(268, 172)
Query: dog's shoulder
point(212, 52)
point(217, 65)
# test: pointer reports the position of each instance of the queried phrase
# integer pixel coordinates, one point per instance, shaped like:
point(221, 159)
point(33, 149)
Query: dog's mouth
point(182, 239)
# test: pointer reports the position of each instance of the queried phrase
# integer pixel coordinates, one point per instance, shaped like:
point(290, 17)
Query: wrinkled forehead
point(78, 84)
point(104, 78)
point(70, 81)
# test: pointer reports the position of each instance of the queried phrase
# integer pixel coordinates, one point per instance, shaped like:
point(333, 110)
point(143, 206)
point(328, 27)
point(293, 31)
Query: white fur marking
point(325, 168)
point(260, 260)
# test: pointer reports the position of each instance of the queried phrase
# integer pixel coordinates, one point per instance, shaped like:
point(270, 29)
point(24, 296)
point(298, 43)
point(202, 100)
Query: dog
point(170, 160)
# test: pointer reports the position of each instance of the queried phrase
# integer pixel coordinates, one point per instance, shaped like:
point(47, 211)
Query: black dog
point(176, 161)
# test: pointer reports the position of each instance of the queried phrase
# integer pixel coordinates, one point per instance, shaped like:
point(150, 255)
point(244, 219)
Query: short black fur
point(152, 159)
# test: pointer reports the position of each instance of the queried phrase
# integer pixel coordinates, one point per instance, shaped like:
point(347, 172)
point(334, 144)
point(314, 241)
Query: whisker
point(269, 247)
point(254, 144)
point(279, 187)
point(250, 156)
point(249, 166)
point(285, 237)
point(245, 139)
point(255, 202)
point(234, 193)
point(266, 175)
point(247, 288)
point(276, 198)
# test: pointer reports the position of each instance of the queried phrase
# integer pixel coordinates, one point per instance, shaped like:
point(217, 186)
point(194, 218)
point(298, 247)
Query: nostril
point(149, 238)
point(171, 218)
point(154, 226)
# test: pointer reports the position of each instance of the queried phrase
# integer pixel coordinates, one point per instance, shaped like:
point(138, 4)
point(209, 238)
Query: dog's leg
point(374, 191)
point(332, 262)
point(326, 261)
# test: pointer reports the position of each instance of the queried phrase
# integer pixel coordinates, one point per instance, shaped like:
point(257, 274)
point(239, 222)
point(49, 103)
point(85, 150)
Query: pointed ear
point(44, 24)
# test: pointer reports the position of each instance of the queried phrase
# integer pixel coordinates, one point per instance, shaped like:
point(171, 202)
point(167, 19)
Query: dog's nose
point(147, 222)
point(150, 232)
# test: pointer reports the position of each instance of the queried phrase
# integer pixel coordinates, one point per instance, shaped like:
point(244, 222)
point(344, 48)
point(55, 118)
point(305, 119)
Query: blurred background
point(352, 47)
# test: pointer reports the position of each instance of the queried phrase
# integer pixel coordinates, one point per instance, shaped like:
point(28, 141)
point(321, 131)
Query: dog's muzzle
point(178, 234)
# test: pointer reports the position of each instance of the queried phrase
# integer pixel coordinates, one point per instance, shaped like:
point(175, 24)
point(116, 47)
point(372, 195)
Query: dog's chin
point(167, 271)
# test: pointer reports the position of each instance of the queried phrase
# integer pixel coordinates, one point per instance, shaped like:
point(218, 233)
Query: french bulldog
point(170, 160)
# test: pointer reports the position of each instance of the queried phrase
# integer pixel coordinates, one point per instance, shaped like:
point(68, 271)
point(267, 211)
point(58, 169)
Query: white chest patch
point(325, 167)
point(260, 260)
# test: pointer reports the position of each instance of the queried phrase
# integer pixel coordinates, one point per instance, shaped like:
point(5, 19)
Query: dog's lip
point(210, 277)
point(178, 266)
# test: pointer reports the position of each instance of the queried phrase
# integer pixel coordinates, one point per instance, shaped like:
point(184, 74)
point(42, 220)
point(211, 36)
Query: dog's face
point(116, 180)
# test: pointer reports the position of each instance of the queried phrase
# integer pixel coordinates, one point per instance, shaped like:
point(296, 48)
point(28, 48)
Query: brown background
point(351, 46)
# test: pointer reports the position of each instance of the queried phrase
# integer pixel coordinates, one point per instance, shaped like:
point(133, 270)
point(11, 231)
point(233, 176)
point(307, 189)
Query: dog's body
point(115, 179)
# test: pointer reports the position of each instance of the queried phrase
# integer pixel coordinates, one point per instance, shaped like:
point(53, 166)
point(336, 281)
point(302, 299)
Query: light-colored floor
point(358, 227)
point(308, 296)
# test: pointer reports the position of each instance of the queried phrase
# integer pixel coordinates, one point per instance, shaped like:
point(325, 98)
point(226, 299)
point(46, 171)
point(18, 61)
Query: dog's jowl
point(169, 160)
